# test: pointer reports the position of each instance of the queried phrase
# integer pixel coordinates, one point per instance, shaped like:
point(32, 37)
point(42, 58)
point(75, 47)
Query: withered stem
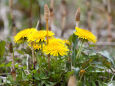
point(12, 17)
point(46, 16)
point(13, 72)
point(77, 17)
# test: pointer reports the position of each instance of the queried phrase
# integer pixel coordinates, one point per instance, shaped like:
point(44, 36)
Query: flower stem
point(81, 77)
point(34, 60)
point(79, 51)
point(13, 68)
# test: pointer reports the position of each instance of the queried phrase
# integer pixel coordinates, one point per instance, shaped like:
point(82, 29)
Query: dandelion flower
point(35, 46)
point(67, 42)
point(55, 47)
point(85, 34)
point(40, 35)
point(23, 34)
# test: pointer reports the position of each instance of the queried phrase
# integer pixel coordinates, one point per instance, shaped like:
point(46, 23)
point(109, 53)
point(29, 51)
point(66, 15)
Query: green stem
point(13, 67)
point(13, 60)
point(81, 77)
point(34, 64)
point(79, 51)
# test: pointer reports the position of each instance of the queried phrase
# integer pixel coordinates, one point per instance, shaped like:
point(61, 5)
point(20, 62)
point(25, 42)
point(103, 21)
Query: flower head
point(67, 42)
point(82, 72)
point(23, 34)
point(40, 35)
point(35, 46)
point(55, 47)
point(85, 34)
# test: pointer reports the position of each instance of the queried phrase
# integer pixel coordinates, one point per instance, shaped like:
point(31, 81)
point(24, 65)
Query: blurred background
point(98, 16)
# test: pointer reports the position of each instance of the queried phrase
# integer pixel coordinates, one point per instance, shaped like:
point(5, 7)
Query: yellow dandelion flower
point(55, 47)
point(23, 34)
point(40, 35)
point(35, 46)
point(67, 42)
point(85, 34)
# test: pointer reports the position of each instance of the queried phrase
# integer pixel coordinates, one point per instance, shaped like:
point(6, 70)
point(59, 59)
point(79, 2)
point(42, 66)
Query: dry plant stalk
point(13, 72)
point(46, 16)
point(51, 3)
point(30, 14)
point(98, 29)
point(46, 12)
point(63, 15)
point(51, 13)
point(77, 17)
point(12, 17)
point(89, 14)
point(72, 81)
point(107, 10)
point(109, 20)
point(39, 26)
point(109, 28)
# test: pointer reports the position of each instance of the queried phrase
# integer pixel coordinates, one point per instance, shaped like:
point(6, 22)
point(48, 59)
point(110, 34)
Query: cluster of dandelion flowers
point(40, 35)
point(85, 34)
point(23, 35)
point(55, 47)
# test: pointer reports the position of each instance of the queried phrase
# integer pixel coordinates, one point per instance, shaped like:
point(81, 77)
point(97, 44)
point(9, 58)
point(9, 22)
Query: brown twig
point(30, 21)
point(30, 14)
point(39, 24)
point(12, 17)
point(109, 21)
point(39, 12)
point(46, 16)
point(13, 71)
point(77, 17)
point(89, 14)
point(63, 16)
point(107, 5)
point(98, 29)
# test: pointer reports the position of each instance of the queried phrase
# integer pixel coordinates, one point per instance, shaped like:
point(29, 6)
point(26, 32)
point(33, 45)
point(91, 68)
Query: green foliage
point(2, 48)
point(95, 65)
point(91, 67)
point(74, 51)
